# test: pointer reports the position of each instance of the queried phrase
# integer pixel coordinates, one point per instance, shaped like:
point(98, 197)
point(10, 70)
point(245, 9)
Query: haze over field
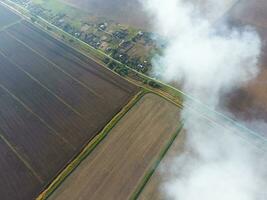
point(125, 12)
point(247, 102)
point(209, 61)
point(99, 132)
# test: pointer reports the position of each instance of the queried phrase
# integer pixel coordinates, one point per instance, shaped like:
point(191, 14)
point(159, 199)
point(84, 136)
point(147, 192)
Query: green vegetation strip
point(83, 48)
point(89, 148)
point(149, 174)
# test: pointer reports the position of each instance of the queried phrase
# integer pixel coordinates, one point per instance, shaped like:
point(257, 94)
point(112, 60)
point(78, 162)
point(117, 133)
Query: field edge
point(89, 147)
point(155, 164)
point(92, 53)
point(98, 138)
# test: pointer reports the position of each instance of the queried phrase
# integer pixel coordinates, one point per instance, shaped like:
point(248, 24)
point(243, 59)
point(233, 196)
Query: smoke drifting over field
point(208, 60)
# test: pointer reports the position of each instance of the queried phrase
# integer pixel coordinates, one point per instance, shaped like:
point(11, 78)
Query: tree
point(106, 60)
point(33, 19)
point(153, 84)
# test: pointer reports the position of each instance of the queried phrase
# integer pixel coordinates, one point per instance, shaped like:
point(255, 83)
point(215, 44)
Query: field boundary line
point(89, 147)
point(80, 50)
point(233, 130)
point(10, 25)
point(37, 116)
point(155, 164)
point(178, 94)
point(165, 87)
point(52, 63)
point(231, 7)
point(43, 86)
point(69, 169)
point(25, 162)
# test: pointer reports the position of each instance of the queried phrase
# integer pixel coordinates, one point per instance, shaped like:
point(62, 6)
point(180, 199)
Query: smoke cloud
point(208, 60)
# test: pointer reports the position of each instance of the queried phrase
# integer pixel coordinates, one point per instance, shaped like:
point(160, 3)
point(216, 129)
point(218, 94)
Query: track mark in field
point(21, 158)
point(30, 60)
point(234, 130)
point(138, 138)
point(10, 25)
point(37, 116)
point(55, 65)
point(43, 86)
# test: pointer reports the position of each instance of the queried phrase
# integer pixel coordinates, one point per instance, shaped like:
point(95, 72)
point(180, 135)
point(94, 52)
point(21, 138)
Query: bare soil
point(114, 169)
point(250, 102)
point(129, 12)
point(7, 17)
point(153, 188)
point(53, 101)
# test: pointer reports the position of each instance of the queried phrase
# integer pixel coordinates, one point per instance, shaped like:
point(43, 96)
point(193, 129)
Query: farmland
point(53, 102)
point(250, 102)
point(184, 154)
point(7, 17)
point(247, 103)
point(119, 163)
point(126, 12)
point(152, 189)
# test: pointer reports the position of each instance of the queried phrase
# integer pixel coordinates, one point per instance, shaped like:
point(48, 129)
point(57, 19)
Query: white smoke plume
point(207, 60)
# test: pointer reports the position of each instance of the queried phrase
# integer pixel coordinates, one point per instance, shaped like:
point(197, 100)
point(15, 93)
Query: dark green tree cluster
point(121, 70)
point(112, 65)
point(151, 83)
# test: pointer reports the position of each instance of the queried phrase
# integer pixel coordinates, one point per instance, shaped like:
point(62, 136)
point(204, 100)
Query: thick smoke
point(208, 60)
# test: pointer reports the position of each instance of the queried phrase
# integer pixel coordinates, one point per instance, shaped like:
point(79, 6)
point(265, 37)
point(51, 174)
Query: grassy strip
point(55, 31)
point(89, 148)
point(177, 94)
point(72, 41)
point(153, 168)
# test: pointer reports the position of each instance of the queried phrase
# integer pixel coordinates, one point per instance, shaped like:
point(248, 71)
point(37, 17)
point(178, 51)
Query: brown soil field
point(250, 102)
point(53, 101)
point(169, 170)
point(152, 189)
point(118, 164)
point(7, 17)
point(247, 103)
point(129, 12)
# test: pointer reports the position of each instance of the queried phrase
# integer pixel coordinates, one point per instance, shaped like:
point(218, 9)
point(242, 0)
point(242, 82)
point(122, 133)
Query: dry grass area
point(128, 12)
point(206, 6)
point(181, 148)
point(118, 164)
point(152, 190)
point(251, 12)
